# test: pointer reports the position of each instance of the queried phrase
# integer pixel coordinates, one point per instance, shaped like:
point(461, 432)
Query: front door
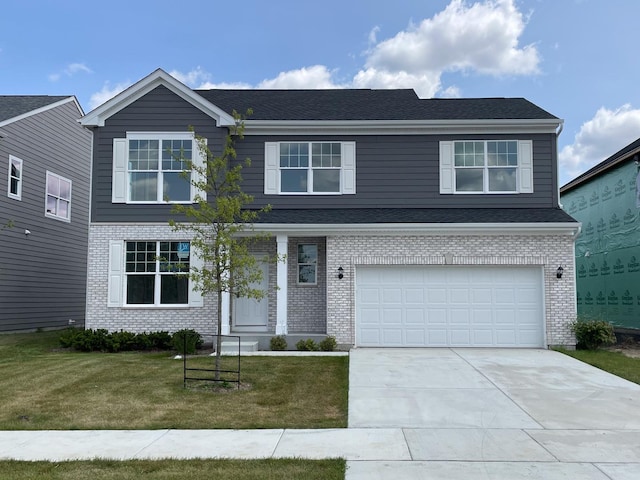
point(250, 314)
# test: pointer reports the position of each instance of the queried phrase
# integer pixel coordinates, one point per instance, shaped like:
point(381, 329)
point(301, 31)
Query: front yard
point(43, 388)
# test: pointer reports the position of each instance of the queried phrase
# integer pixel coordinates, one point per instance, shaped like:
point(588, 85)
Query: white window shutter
point(525, 166)
point(271, 168)
point(119, 180)
point(198, 160)
point(195, 296)
point(116, 273)
point(447, 173)
point(348, 168)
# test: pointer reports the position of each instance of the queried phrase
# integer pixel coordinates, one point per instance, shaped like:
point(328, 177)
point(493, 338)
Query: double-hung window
point(58, 197)
point(486, 166)
point(154, 167)
point(15, 178)
point(308, 168)
point(157, 272)
point(308, 263)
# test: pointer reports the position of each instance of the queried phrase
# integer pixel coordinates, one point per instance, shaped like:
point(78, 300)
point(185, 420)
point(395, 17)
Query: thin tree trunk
point(219, 339)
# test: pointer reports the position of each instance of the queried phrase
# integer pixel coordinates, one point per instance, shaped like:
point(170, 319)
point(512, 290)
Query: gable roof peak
point(98, 116)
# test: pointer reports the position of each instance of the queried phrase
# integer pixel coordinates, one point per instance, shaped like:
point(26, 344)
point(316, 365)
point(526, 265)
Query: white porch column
point(226, 303)
point(282, 242)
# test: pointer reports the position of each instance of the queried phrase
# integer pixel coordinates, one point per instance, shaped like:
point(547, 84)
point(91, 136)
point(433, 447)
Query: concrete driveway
point(494, 413)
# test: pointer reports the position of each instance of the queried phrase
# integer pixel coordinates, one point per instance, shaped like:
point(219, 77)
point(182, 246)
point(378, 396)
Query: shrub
point(160, 340)
point(278, 343)
point(68, 337)
point(328, 344)
point(187, 341)
point(307, 345)
point(592, 334)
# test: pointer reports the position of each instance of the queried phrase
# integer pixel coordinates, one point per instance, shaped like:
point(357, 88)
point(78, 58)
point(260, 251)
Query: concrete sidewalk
point(421, 414)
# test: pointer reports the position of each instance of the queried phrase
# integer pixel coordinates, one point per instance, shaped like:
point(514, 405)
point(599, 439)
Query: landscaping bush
point(102, 341)
point(593, 334)
point(307, 345)
point(328, 344)
point(193, 341)
point(278, 343)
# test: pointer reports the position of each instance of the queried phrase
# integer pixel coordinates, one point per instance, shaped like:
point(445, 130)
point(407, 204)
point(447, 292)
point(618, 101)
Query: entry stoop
point(231, 348)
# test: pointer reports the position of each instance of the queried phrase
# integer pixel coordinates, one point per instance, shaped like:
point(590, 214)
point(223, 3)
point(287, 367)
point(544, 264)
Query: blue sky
point(578, 59)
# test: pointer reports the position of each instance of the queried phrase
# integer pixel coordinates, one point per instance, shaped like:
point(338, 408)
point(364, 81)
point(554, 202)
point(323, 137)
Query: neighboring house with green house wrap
point(606, 199)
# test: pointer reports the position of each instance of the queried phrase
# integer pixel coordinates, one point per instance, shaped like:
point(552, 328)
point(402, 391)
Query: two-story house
point(402, 221)
point(44, 212)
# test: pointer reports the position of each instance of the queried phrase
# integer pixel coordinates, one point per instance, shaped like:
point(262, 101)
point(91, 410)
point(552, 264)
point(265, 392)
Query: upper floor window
point(58, 197)
point(148, 168)
point(15, 178)
point(303, 168)
point(486, 166)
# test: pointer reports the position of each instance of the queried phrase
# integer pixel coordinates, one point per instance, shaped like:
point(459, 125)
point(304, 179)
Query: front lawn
point(270, 469)
point(612, 362)
point(42, 388)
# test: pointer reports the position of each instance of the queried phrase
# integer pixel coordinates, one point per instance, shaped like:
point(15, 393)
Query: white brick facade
point(329, 307)
point(549, 251)
point(136, 319)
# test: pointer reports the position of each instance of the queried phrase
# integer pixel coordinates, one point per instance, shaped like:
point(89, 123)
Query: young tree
point(220, 227)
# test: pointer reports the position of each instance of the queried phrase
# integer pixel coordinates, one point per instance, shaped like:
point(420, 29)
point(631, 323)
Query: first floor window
point(486, 166)
point(307, 263)
point(58, 197)
point(157, 272)
point(15, 178)
point(155, 168)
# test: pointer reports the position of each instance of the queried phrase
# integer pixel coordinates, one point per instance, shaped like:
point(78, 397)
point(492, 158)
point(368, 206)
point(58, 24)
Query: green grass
point(287, 469)
point(44, 388)
point(612, 362)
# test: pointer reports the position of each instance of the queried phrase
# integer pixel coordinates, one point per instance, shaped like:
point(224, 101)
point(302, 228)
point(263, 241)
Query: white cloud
point(482, 37)
point(316, 76)
point(599, 138)
point(106, 93)
point(70, 70)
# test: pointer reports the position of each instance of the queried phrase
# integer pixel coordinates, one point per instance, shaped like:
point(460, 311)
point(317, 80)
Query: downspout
point(559, 131)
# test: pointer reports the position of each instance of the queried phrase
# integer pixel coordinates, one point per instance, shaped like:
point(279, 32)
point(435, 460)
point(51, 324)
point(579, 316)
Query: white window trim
point(272, 183)
point(117, 282)
point(12, 160)
point(306, 284)
point(46, 197)
point(120, 179)
point(524, 169)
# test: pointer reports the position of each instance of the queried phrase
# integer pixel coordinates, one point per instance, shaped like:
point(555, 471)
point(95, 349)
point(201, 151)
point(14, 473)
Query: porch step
point(231, 348)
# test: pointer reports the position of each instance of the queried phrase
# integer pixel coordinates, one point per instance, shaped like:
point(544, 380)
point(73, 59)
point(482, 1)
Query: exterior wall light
point(340, 273)
point(559, 272)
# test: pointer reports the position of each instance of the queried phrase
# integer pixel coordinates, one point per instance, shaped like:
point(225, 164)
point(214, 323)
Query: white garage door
point(434, 306)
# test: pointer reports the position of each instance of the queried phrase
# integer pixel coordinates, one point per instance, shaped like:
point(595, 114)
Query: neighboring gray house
point(405, 222)
point(44, 195)
point(606, 200)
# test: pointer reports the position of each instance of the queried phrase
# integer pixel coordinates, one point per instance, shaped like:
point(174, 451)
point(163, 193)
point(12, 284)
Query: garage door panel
point(449, 306)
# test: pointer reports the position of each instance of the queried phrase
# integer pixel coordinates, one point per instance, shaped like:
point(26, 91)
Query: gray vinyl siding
point(391, 170)
point(43, 276)
point(402, 171)
point(158, 111)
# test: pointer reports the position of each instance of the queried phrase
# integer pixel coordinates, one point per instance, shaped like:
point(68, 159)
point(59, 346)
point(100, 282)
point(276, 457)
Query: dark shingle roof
point(363, 104)
point(15, 105)
point(415, 215)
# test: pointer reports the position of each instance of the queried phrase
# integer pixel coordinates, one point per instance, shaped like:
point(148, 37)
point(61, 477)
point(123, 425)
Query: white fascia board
point(571, 229)
point(400, 127)
point(30, 113)
point(97, 117)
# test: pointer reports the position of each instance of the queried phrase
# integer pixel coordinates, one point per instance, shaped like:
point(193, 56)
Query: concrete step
point(231, 348)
